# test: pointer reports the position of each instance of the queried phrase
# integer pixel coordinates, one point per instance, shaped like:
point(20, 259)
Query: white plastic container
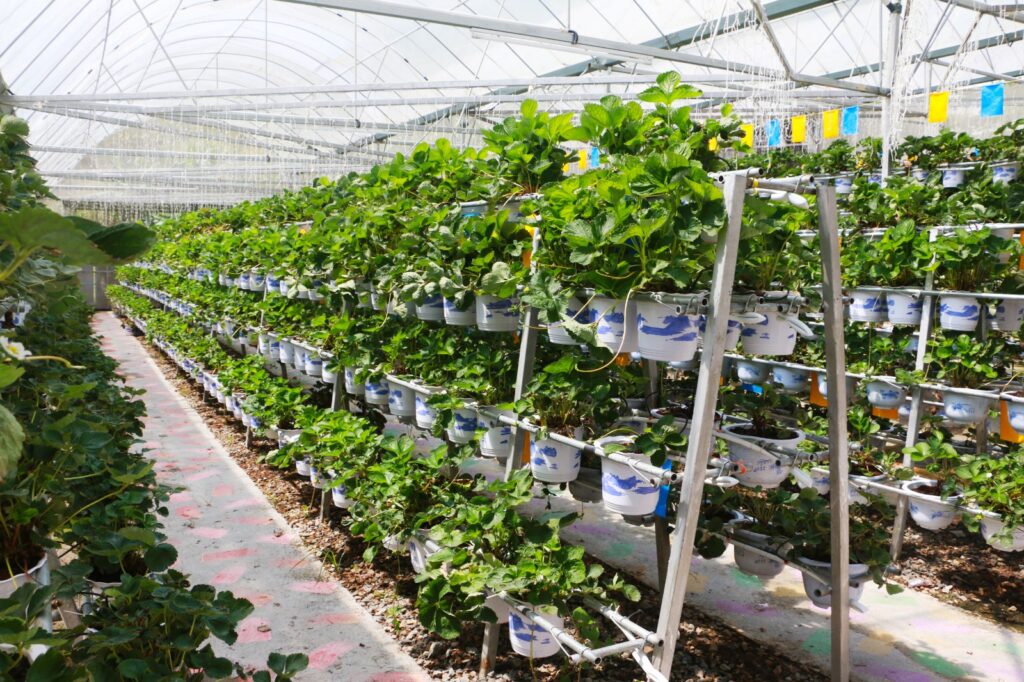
point(903, 308)
point(761, 468)
point(820, 593)
point(575, 310)
point(401, 401)
point(885, 395)
point(1009, 316)
point(844, 185)
point(755, 563)
point(952, 177)
point(867, 306)
point(775, 334)
point(496, 441)
point(339, 496)
point(1015, 413)
point(554, 462)
point(425, 414)
point(376, 392)
point(616, 324)
point(792, 381)
point(989, 529)
point(931, 515)
point(302, 466)
point(497, 314)
point(1004, 174)
point(959, 313)
point(352, 386)
point(666, 334)
point(463, 426)
point(8, 586)
point(624, 490)
point(750, 372)
point(962, 408)
point(454, 317)
point(431, 309)
point(529, 639)
point(313, 366)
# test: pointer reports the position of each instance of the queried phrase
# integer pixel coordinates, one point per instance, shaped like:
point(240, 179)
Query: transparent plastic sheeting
point(136, 77)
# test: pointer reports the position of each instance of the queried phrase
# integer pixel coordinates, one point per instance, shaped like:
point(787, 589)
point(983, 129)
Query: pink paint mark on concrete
point(201, 476)
point(188, 511)
point(291, 563)
point(228, 576)
point(254, 521)
point(253, 630)
point(177, 498)
point(247, 502)
point(312, 587)
point(272, 539)
point(223, 490)
point(169, 465)
point(335, 619)
point(256, 598)
point(325, 656)
point(208, 533)
point(228, 554)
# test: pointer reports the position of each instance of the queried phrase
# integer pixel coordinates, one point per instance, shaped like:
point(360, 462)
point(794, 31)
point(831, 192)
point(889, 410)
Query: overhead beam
point(568, 38)
point(1010, 12)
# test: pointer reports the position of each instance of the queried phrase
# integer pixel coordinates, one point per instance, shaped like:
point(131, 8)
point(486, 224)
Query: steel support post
point(839, 465)
point(700, 441)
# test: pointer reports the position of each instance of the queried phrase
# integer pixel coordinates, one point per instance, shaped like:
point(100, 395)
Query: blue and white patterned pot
point(963, 408)
point(454, 317)
point(496, 440)
point(463, 426)
point(903, 308)
point(529, 639)
point(497, 314)
point(623, 490)
point(1005, 174)
point(616, 324)
point(844, 185)
point(1015, 413)
point(868, 306)
point(760, 467)
point(928, 514)
point(953, 177)
point(885, 395)
point(750, 372)
point(377, 392)
point(664, 333)
point(959, 313)
point(431, 309)
point(793, 381)
point(554, 462)
point(401, 400)
point(574, 310)
point(993, 532)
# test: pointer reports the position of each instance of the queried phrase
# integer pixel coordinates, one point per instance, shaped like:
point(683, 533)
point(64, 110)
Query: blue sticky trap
point(773, 131)
point(595, 157)
point(752, 388)
point(992, 98)
point(662, 508)
point(851, 120)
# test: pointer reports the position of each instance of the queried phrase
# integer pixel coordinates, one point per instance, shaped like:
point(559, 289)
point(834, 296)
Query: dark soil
point(22, 558)
point(772, 434)
point(957, 566)
point(708, 649)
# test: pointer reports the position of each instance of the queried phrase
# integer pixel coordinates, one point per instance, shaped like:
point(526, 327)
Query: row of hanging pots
point(258, 282)
point(932, 512)
point(956, 313)
point(1003, 173)
point(488, 313)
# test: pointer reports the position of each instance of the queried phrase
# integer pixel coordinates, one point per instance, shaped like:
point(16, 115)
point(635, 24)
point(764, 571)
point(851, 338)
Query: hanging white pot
point(820, 593)
point(496, 441)
point(530, 639)
point(952, 177)
point(228, 326)
point(733, 329)
point(327, 375)
point(283, 287)
point(302, 466)
point(425, 414)
point(760, 467)
point(262, 344)
point(931, 513)
point(376, 392)
point(851, 386)
point(454, 317)
point(273, 284)
point(963, 408)
point(791, 380)
point(313, 293)
point(242, 282)
point(992, 531)
point(959, 313)
point(919, 174)
point(774, 334)
point(497, 314)
point(875, 179)
point(355, 387)
point(574, 310)
point(463, 426)
point(419, 553)
point(222, 280)
point(318, 480)
point(903, 308)
point(844, 185)
point(554, 462)
point(257, 282)
point(314, 365)
point(884, 394)
point(8, 586)
point(339, 496)
point(287, 436)
point(623, 489)
point(867, 306)
point(755, 563)
point(499, 607)
point(401, 401)
point(751, 372)
point(273, 347)
point(431, 309)
point(285, 351)
point(616, 324)
point(1009, 316)
point(1015, 413)
point(1004, 174)
point(665, 332)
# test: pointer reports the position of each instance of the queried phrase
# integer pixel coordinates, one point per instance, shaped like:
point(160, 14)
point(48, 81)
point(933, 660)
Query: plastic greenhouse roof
point(207, 101)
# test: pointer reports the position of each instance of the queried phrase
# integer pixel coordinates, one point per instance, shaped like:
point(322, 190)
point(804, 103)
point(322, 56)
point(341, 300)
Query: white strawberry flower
point(13, 348)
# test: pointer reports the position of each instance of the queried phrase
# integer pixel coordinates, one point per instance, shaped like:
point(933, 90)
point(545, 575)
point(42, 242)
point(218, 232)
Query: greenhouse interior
point(593, 340)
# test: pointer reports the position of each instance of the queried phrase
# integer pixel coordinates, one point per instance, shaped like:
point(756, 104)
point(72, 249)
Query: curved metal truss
point(129, 99)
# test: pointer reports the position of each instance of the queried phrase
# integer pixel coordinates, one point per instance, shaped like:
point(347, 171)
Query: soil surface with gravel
point(708, 649)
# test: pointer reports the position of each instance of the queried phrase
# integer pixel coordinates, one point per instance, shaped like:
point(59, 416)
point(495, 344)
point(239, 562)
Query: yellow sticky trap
point(525, 457)
point(816, 397)
point(748, 134)
point(1021, 265)
point(882, 413)
point(527, 257)
point(938, 107)
point(830, 124)
point(1006, 432)
point(713, 144)
point(798, 129)
point(583, 159)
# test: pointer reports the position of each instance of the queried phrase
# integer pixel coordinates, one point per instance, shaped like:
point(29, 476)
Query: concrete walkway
point(228, 535)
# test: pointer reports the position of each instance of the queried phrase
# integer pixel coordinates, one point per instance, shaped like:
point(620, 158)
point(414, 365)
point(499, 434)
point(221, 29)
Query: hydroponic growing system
point(618, 288)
